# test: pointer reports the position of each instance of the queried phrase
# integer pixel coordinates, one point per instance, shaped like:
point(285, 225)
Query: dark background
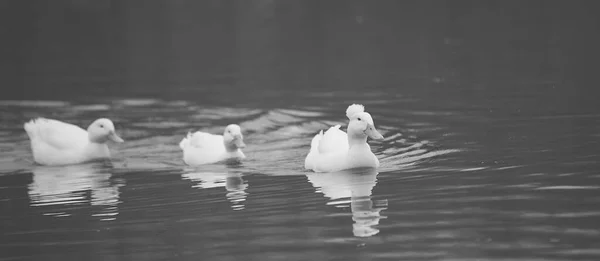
point(76, 48)
point(489, 110)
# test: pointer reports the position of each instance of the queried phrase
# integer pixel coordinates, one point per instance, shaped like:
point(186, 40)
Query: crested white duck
point(336, 150)
point(204, 148)
point(55, 142)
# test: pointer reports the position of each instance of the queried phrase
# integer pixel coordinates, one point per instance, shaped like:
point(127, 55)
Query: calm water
point(455, 183)
point(491, 148)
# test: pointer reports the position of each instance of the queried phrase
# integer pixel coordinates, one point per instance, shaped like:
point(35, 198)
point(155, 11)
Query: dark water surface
point(491, 148)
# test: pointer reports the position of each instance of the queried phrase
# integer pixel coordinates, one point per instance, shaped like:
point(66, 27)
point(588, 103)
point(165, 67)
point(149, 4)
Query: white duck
point(335, 150)
point(58, 143)
point(204, 148)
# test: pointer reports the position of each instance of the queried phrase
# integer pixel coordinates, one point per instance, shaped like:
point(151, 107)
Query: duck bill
point(114, 137)
point(373, 133)
point(239, 142)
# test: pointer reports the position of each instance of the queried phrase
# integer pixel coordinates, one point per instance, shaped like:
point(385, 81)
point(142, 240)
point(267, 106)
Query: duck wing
point(57, 134)
point(205, 140)
point(333, 140)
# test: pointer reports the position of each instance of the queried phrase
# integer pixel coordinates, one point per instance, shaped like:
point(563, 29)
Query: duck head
point(102, 130)
point(233, 137)
point(361, 123)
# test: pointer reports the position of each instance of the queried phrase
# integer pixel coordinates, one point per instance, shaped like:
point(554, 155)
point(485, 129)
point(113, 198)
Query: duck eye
point(359, 119)
point(101, 125)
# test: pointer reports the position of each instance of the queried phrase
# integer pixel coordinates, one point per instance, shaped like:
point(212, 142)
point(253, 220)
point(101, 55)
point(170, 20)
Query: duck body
point(331, 152)
point(55, 142)
point(337, 150)
point(201, 148)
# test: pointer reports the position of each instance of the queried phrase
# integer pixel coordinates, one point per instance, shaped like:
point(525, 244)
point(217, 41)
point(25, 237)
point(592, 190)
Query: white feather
point(205, 148)
point(59, 143)
point(330, 150)
point(354, 109)
point(333, 140)
point(185, 142)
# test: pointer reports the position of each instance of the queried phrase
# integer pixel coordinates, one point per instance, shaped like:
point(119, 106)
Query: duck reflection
point(57, 189)
point(356, 186)
point(232, 181)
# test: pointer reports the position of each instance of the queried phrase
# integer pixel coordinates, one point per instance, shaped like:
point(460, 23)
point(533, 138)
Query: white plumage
point(58, 143)
point(337, 150)
point(204, 148)
point(354, 109)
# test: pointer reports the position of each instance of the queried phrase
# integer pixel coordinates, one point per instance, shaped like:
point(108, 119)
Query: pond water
point(455, 182)
point(491, 132)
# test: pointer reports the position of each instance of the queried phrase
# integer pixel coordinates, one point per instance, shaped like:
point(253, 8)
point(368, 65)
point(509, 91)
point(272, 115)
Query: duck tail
point(314, 144)
point(29, 126)
point(314, 151)
point(185, 142)
point(32, 126)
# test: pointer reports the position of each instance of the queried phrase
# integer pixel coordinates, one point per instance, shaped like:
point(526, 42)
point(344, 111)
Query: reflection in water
point(76, 184)
point(232, 181)
point(356, 185)
point(503, 83)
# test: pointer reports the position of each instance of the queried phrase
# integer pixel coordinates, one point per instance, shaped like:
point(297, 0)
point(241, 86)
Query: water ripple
point(436, 195)
point(567, 187)
point(69, 185)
